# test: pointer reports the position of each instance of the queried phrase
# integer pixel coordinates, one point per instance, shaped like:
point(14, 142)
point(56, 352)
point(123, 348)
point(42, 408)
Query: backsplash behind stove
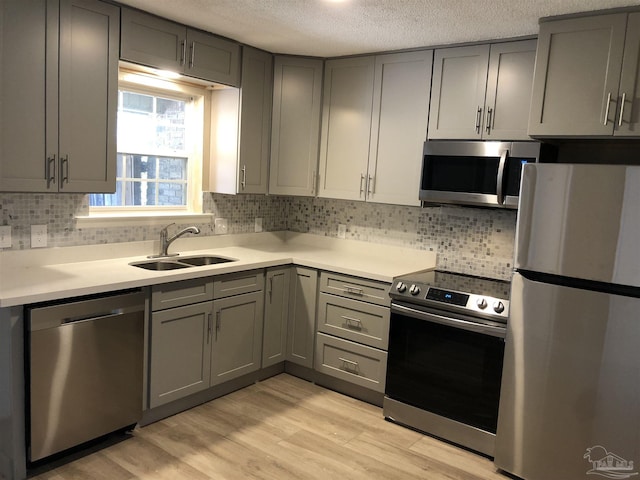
point(466, 240)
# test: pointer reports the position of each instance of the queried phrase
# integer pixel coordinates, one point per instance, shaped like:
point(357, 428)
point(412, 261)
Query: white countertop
point(29, 276)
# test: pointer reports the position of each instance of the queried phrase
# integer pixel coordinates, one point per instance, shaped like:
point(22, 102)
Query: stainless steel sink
point(160, 265)
point(182, 262)
point(205, 260)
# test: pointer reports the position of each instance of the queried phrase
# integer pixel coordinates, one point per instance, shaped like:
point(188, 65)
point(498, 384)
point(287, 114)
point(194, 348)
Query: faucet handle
point(165, 229)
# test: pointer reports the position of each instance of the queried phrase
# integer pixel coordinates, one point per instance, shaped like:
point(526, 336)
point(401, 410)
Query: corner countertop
point(30, 276)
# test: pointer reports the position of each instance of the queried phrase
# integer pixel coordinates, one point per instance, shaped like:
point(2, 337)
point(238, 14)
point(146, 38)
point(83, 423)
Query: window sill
point(105, 220)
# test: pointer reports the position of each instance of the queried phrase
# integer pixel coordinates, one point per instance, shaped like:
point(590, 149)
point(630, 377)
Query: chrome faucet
point(165, 241)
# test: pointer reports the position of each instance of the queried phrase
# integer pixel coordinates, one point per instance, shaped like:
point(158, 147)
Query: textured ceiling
point(327, 28)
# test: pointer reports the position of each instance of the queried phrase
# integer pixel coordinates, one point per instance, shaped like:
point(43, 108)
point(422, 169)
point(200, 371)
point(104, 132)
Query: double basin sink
point(174, 263)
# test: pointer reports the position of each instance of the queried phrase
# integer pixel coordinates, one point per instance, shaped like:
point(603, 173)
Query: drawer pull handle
point(353, 290)
point(348, 320)
point(349, 365)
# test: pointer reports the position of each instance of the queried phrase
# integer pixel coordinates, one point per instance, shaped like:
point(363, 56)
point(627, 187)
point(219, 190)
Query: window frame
point(198, 99)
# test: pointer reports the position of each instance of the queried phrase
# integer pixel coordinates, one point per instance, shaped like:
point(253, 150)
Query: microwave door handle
point(500, 184)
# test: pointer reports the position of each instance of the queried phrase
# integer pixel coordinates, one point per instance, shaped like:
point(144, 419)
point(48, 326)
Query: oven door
point(447, 364)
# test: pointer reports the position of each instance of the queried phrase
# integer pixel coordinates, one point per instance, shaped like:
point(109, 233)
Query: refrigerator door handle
point(500, 182)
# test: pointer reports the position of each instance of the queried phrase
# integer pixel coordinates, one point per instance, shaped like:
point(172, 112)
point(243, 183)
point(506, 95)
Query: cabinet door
point(255, 120)
point(276, 312)
point(509, 85)
point(302, 316)
point(458, 92)
point(88, 95)
point(295, 126)
point(628, 114)
point(399, 127)
point(180, 352)
point(29, 46)
point(346, 126)
point(212, 58)
point(237, 336)
point(575, 85)
point(153, 41)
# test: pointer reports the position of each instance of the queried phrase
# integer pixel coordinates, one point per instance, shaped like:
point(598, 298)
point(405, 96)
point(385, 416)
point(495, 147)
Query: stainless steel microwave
point(476, 173)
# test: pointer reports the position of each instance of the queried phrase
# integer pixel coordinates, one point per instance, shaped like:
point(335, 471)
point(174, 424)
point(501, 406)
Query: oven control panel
point(472, 304)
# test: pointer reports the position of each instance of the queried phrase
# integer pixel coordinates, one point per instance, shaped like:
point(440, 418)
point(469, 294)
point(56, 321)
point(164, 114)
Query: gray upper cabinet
point(482, 91)
point(160, 43)
point(295, 130)
point(256, 94)
point(59, 98)
point(374, 125)
point(577, 89)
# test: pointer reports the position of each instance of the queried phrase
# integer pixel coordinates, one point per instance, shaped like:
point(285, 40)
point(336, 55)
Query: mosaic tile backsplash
point(466, 240)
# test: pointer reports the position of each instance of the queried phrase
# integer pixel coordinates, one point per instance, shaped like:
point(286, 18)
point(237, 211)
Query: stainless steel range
point(446, 346)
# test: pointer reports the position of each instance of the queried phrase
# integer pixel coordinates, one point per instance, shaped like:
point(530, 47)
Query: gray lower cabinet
point(276, 315)
point(302, 316)
point(160, 43)
point(295, 132)
point(353, 330)
point(58, 99)
point(203, 333)
point(482, 91)
point(586, 77)
point(237, 336)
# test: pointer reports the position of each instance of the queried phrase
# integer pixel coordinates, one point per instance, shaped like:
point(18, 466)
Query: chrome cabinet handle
point(270, 289)
point(349, 365)
point(50, 170)
point(348, 320)
point(183, 54)
point(192, 59)
point(217, 324)
point(489, 119)
point(361, 183)
point(624, 97)
point(370, 185)
point(313, 182)
point(606, 111)
point(64, 170)
point(208, 328)
point(244, 177)
point(353, 290)
point(478, 119)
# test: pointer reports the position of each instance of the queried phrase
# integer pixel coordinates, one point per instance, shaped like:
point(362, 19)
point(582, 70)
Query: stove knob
point(401, 287)
point(481, 303)
point(498, 307)
point(414, 290)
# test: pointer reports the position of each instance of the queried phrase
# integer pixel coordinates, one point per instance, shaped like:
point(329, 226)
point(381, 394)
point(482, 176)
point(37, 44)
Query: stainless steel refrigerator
point(570, 399)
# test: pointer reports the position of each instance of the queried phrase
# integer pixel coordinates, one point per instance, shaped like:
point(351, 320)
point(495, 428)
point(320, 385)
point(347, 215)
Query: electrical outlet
point(5, 236)
point(342, 231)
point(38, 236)
point(220, 226)
point(258, 225)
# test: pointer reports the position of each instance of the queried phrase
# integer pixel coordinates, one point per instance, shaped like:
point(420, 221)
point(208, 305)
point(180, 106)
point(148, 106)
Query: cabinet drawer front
point(238, 283)
point(185, 292)
point(354, 287)
point(360, 365)
point(354, 320)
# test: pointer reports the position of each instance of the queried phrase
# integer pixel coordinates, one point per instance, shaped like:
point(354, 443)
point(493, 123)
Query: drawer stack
point(353, 329)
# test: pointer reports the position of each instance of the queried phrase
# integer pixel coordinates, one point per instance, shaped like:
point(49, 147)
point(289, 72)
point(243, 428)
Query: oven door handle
point(492, 330)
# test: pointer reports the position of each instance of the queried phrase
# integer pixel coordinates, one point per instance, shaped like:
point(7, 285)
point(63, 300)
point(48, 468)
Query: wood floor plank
point(283, 428)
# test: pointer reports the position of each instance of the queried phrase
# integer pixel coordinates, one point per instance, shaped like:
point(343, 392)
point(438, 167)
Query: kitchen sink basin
point(184, 262)
point(204, 260)
point(160, 265)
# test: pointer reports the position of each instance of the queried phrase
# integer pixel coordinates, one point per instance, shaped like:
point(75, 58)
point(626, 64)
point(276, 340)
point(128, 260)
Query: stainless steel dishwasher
point(85, 370)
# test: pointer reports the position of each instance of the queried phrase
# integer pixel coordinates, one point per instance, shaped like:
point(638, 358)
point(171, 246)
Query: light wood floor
point(282, 428)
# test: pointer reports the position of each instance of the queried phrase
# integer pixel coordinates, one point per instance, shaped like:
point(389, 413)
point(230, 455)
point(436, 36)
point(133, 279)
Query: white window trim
point(130, 216)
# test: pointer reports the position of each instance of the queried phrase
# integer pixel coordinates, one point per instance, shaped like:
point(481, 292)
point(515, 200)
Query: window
point(160, 132)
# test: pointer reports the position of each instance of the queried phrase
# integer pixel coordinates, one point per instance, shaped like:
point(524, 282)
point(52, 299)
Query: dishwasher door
point(85, 370)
